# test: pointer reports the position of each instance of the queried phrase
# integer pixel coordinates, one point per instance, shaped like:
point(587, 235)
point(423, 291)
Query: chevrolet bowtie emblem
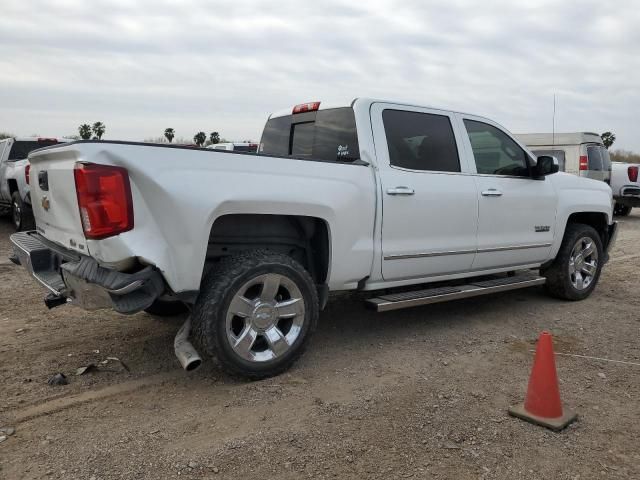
point(45, 203)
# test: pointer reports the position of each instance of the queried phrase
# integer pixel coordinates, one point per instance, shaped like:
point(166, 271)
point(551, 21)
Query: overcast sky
point(141, 66)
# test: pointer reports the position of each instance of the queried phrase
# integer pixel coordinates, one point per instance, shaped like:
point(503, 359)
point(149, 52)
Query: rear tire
point(621, 210)
point(21, 214)
point(574, 273)
point(255, 313)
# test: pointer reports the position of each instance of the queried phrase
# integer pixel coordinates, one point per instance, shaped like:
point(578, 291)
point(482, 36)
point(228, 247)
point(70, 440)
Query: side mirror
point(546, 165)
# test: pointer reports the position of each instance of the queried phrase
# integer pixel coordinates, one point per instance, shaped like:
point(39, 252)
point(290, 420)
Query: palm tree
point(199, 138)
point(214, 137)
point(169, 134)
point(608, 138)
point(85, 131)
point(98, 130)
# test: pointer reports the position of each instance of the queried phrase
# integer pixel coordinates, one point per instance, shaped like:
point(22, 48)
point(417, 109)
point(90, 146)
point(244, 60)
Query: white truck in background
point(14, 178)
point(625, 187)
point(579, 153)
point(368, 195)
point(235, 146)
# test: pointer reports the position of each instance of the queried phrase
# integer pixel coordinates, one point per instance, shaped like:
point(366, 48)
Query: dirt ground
point(418, 393)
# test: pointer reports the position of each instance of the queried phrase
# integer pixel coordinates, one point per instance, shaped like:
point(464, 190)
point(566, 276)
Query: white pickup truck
point(625, 185)
point(14, 178)
point(370, 195)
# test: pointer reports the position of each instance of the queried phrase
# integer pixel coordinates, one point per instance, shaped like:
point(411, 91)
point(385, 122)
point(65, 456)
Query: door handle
point(400, 191)
point(492, 192)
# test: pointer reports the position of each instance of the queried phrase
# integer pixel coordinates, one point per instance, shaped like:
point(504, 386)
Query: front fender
point(592, 201)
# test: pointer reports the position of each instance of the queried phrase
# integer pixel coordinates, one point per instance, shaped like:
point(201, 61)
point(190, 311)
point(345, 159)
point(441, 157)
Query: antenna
point(553, 127)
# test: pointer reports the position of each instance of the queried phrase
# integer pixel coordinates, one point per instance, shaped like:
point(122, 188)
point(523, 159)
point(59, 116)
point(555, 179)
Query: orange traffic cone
point(543, 405)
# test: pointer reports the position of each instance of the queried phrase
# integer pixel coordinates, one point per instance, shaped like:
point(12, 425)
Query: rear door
point(429, 201)
point(516, 213)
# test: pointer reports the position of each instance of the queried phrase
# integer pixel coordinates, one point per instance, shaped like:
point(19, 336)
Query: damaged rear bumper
point(79, 279)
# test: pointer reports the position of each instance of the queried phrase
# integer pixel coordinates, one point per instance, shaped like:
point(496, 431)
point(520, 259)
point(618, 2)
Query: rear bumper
point(629, 196)
point(81, 281)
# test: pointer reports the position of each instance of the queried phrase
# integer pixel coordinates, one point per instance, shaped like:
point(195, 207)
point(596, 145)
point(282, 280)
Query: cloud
point(143, 66)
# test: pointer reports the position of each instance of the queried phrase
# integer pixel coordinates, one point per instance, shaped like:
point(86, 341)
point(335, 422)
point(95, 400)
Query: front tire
point(21, 214)
point(256, 313)
point(575, 272)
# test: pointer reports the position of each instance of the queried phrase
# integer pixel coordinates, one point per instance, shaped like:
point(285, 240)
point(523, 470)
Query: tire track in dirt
point(62, 403)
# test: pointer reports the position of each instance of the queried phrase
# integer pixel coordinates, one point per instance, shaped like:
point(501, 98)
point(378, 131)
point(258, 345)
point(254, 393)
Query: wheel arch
point(307, 239)
point(598, 220)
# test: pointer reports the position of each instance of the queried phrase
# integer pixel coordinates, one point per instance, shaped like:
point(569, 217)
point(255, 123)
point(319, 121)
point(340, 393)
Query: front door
point(516, 213)
point(430, 203)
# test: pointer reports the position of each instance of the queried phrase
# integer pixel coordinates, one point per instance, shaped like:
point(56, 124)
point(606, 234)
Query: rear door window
point(323, 135)
point(595, 158)
point(421, 141)
point(21, 149)
point(559, 154)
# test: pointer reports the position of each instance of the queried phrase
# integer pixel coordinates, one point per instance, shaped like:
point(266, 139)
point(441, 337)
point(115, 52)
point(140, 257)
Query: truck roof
point(369, 101)
point(571, 138)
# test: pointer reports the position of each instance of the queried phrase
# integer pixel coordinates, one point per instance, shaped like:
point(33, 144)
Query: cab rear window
point(328, 135)
point(21, 148)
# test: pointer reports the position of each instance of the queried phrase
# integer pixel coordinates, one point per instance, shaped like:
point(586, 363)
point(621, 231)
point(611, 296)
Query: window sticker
point(343, 151)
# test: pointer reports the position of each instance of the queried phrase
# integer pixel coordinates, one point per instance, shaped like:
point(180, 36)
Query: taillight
point(306, 107)
point(104, 199)
point(633, 173)
point(584, 162)
point(27, 169)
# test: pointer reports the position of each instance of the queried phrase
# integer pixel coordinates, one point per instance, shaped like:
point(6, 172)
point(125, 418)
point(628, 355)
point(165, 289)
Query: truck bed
point(179, 192)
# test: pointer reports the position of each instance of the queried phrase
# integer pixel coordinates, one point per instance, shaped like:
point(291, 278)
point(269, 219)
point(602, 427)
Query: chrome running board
point(427, 296)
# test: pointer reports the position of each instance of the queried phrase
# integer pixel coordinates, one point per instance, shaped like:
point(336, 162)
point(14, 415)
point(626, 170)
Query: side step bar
point(396, 301)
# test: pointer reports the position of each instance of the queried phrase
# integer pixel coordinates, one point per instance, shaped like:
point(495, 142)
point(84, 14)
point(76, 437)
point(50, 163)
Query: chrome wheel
point(583, 263)
point(265, 317)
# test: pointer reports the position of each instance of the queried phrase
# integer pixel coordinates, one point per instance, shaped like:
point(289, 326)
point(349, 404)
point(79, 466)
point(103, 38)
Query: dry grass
point(625, 156)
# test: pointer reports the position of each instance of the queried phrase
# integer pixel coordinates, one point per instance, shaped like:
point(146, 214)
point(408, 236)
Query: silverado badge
point(542, 228)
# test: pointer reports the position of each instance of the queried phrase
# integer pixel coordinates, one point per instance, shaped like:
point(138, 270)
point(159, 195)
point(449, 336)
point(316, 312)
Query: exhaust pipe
point(187, 355)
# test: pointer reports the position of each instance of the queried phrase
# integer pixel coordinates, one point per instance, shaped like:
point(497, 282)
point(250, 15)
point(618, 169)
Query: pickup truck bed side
point(175, 208)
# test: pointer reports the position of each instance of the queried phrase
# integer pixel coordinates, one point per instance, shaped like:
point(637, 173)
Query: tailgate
point(53, 196)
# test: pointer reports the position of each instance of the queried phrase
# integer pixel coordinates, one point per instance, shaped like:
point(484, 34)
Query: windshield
point(323, 135)
point(21, 149)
